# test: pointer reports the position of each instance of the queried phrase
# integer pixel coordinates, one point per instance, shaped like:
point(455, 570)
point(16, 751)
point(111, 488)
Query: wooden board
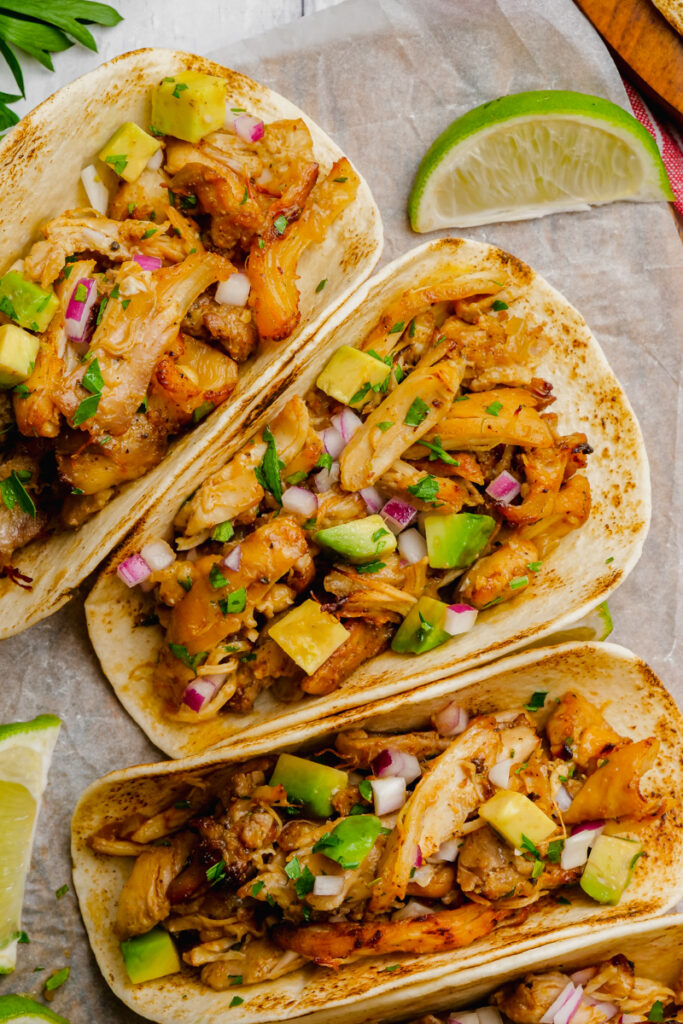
point(647, 48)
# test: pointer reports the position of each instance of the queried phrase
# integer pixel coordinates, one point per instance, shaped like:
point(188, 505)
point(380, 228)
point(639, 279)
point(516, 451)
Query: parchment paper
point(384, 78)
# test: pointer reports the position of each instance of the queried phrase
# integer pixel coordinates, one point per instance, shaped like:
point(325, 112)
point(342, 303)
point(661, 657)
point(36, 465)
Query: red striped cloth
point(668, 140)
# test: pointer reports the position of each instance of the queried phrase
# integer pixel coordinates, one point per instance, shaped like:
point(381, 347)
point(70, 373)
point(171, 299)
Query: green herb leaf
point(397, 328)
point(234, 603)
point(131, 207)
point(23, 938)
point(21, 390)
point(365, 790)
point(494, 408)
point(92, 379)
point(340, 181)
point(280, 223)
point(555, 849)
point(245, 196)
point(656, 1014)
point(320, 285)
point(392, 968)
point(101, 309)
point(304, 884)
point(57, 979)
point(268, 473)
point(325, 461)
point(148, 233)
point(235, 979)
point(201, 411)
point(437, 451)
point(418, 412)
point(371, 567)
point(216, 577)
point(385, 425)
point(296, 478)
point(609, 560)
point(236, 1001)
point(191, 660)
point(216, 873)
point(537, 700)
point(499, 304)
point(425, 489)
point(378, 534)
point(360, 394)
point(326, 842)
point(293, 868)
point(519, 581)
point(257, 887)
point(537, 869)
point(223, 532)
point(180, 87)
point(182, 805)
point(80, 292)
point(529, 846)
point(411, 329)
point(13, 492)
point(62, 891)
point(118, 162)
point(534, 566)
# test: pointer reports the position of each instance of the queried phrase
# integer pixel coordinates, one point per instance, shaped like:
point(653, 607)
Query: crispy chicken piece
point(468, 467)
point(221, 193)
point(261, 961)
point(144, 898)
point(489, 868)
point(129, 342)
point(571, 508)
point(335, 508)
point(198, 376)
point(616, 981)
point(577, 729)
point(360, 748)
point(366, 639)
point(86, 231)
point(450, 496)
point(234, 488)
point(272, 269)
point(92, 468)
point(331, 944)
point(452, 787)
point(526, 1001)
point(371, 452)
point(496, 351)
point(490, 577)
point(363, 595)
point(489, 418)
point(148, 196)
point(18, 527)
point(233, 326)
point(545, 470)
point(613, 790)
point(78, 508)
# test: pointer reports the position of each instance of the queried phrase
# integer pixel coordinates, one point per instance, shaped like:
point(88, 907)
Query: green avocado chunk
point(515, 817)
point(422, 629)
point(189, 105)
point(350, 373)
point(609, 868)
point(18, 351)
point(454, 541)
point(27, 303)
point(150, 956)
point(310, 783)
point(351, 840)
point(361, 540)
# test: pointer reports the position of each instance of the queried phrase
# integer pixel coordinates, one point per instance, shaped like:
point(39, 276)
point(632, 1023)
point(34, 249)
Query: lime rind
point(21, 1008)
point(542, 106)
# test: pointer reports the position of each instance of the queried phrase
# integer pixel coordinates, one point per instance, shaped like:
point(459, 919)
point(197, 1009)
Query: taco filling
point(612, 990)
point(380, 844)
point(128, 322)
point(422, 480)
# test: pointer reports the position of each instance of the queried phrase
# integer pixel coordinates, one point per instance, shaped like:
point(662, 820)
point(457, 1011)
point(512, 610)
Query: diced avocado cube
point(422, 629)
point(361, 540)
point(309, 635)
point(351, 840)
point(150, 956)
point(309, 783)
point(18, 351)
point(128, 151)
point(347, 373)
point(516, 817)
point(609, 868)
point(454, 541)
point(27, 303)
point(189, 105)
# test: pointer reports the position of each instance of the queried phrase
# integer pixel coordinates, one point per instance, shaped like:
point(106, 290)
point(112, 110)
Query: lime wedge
point(535, 153)
point(25, 754)
point(597, 625)
point(23, 1011)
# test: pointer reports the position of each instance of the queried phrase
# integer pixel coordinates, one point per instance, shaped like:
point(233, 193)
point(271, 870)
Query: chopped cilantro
point(80, 292)
point(609, 560)
point(358, 809)
point(180, 87)
point(245, 196)
point(148, 233)
point(154, 131)
point(385, 425)
point(425, 628)
point(499, 304)
point(125, 303)
point(425, 489)
point(23, 938)
point(222, 532)
point(635, 859)
point(114, 292)
point(296, 478)
point(325, 461)
point(460, 398)
point(411, 329)
point(237, 110)
point(66, 273)
point(534, 566)
point(100, 311)
point(280, 223)
point(261, 243)
point(519, 581)
point(398, 374)
point(235, 602)
point(304, 883)
point(62, 891)
point(7, 308)
point(563, 900)
point(236, 1000)
point(656, 1014)
point(57, 979)
point(21, 390)
point(555, 849)
point(320, 285)
point(268, 473)
point(118, 162)
point(360, 394)
point(371, 567)
point(437, 451)
point(378, 534)
point(144, 404)
point(340, 181)
point(529, 846)
point(13, 492)
point(257, 887)
point(326, 842)
point(365, 790)
point(191, 660)
point(182, 805)
point(202, 410)
point(216, 577)
point(131, 207)
point(92, 379)
point(494, 408)
point(537, 700)
point(537, 869)
point(397, 328)
point(418, 412)
point(495, 600)
point(216, 873)
point(392, 967)
point(235, 979)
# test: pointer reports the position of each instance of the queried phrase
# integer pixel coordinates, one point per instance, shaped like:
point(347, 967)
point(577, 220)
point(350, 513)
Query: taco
point(455, 473)
point(629, 973)
point(161, 265)
point(546, 802)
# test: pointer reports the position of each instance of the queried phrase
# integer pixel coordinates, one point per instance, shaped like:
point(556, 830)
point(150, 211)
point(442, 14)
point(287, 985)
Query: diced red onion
point(459, 618)
point(249, 128)
point(347, 423)
point(575, 850)
point(423, 876)
point(563, 799)
point(334, 442)
point(419, 860)
point(566, 994)
point(398, 515)
point(504, 488)
point(489, 1015)
point(95, 189)
point(133, 570)
point(234, 291)
point(567, 1011)
point(77, 312)
point(324, 478)
point(201, 690)
point(328, 885)
point(233, 560)
point(395, 763)
point(608, 1009)
point(147, 262)
point(412, 546)
point(300, 501)
point(451, 720)
point(413, 908)
point(372, 498)
point(581, 977)
point(588, 826)
point(158, 555)
point(499, 775)
point(389, 794)
point(447, 852)
point(156, 160)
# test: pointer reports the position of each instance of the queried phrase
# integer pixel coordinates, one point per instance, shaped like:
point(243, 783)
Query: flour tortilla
point(672, 11)
point(634, 702)
point(40, 165)
point(587, 565)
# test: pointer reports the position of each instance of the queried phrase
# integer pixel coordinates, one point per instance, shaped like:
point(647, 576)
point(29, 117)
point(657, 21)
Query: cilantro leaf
point(555, 849)
point(118, 162)
point(656, 1014)
point(360, 394)
point(320, 285)
point(280, 223)
point(92, 379)
point(537, 700)
point(418, 412)
point(57, 979)
point(216, 873)
point(180, 87)
point(371, 567)
point(216, 577)
point(235, 602)
point(385, 425)
point(304, 883)
point(223, 532)
point(13, 492)
point(191, 660)
point(397, 328)
point(86, 409)
point(425, 489)
point(365, 790)
point(499, 304)
point(494, 408)
point(529, 846)
point(268, 473)
point(436, 451)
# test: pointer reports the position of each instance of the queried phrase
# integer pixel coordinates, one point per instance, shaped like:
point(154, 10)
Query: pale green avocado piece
point(128, 151)
point(454, 541)
point(516, 817)
point(361, 540)
point(18, 351)
point(189, 105)
point(27, 303)
point(309, 635)
point(309, 783)
point(422, 629)
point(351, 840)
point(609, 867)
point(150, 956)
point(347, 372)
